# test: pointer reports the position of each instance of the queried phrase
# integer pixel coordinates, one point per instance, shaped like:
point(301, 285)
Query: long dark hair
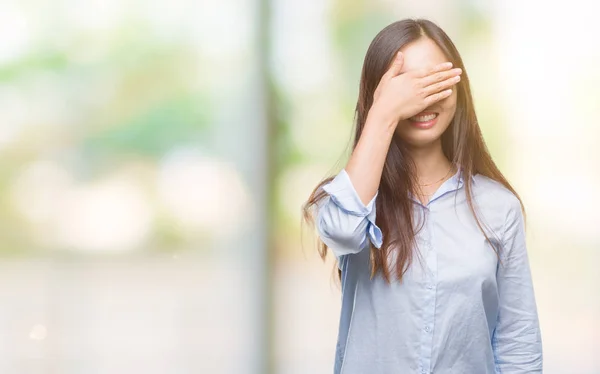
point(462, 144)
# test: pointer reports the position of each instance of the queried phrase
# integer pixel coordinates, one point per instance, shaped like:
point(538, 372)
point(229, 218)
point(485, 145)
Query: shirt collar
point(453, 184)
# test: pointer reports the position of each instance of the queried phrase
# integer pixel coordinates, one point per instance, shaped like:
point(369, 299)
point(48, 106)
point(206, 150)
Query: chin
point(420, 141)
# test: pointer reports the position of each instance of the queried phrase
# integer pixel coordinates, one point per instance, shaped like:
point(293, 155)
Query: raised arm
point(346, 219)
point(398, 96)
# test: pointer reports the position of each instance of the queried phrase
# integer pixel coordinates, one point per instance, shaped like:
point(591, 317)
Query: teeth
point(425, 118)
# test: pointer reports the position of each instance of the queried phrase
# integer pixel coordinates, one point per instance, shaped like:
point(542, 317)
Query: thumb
point(397, 64)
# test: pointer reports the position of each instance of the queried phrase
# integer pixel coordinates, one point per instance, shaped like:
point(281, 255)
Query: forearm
point(366, 163)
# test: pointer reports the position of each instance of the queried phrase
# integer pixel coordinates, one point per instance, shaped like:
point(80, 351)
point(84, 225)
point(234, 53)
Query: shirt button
point(429, 286)
point(427, 329)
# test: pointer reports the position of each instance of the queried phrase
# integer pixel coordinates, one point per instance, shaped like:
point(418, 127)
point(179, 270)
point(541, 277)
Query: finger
point(440, 76)
point(396, 67)
point(441, 86)
point(437, 97)
point(432, 70)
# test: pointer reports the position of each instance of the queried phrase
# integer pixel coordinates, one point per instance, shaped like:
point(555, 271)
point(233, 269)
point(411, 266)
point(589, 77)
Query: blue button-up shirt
point(459, 308)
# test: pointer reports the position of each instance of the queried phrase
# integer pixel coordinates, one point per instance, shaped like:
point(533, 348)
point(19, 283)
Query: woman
point(428, 233)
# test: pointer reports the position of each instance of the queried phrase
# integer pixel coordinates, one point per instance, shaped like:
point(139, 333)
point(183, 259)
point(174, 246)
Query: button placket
point(429, 285)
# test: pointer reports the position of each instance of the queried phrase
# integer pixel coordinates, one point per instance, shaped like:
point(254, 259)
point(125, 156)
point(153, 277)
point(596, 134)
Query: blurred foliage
point(153, 131)
point(126, 97)
point(35, 61)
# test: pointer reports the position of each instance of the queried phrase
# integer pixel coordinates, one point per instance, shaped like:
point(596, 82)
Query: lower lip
point(424, 125)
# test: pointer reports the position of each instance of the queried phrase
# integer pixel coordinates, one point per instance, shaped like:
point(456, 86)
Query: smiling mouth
point(424, 117)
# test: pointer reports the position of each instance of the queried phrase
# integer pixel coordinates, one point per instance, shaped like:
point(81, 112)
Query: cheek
point(448, 108)
point(448, 105)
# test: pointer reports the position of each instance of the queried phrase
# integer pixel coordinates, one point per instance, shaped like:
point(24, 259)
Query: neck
point(430, 162)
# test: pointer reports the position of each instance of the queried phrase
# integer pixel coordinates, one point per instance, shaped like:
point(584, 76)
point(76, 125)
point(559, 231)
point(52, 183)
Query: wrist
point(374, 117)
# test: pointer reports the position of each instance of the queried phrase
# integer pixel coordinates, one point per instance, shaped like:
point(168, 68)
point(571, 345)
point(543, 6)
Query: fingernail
point(447, 64)
point(458, 70)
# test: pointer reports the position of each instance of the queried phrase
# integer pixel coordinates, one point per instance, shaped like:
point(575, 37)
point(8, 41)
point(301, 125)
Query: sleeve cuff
point(342, 193)
point(375, 234)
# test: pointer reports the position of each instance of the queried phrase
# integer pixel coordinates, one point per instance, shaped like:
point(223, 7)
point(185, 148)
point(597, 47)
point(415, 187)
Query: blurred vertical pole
point(264, 260)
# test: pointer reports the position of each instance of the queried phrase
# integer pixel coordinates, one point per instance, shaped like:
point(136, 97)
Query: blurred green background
point(154, 157)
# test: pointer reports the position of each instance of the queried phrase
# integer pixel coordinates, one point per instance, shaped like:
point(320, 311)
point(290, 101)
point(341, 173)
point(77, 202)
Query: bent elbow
point(341, 239)
point(342, 233)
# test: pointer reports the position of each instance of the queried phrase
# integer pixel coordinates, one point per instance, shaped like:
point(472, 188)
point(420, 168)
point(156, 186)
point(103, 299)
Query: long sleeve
point(516, 341)
point(344, 223)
